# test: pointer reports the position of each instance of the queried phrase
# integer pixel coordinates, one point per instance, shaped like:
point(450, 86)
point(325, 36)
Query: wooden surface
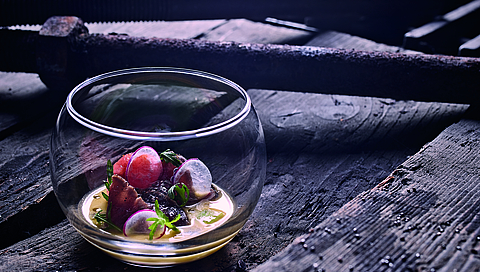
point(423, 217)
point(329, 158)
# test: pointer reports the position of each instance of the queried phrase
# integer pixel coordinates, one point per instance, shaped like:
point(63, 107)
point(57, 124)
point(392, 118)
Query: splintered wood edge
point(422, 216)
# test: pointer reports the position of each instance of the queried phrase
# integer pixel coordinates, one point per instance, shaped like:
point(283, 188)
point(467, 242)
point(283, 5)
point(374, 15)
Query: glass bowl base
point(159, 261)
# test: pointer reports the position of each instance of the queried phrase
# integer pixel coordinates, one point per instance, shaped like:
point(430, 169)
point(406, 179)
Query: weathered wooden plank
point(19, 86)
point(422, 218)
point(446, 34)
point(160, 29)
point(319, 159)
point(246, 31)
point(334, 39)
point(27, 203)
point(23, 99)
point(471, 48)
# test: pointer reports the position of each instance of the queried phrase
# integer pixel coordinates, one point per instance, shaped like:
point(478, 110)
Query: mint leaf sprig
point(180, 193)
point(161, 221)
point(171, 157)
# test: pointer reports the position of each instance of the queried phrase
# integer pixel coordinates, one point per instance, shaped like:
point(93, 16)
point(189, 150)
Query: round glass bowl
point(193, 113)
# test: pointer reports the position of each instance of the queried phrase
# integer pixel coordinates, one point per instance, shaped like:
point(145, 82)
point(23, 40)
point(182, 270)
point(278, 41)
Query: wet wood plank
point(319, 159)
point(423, 217)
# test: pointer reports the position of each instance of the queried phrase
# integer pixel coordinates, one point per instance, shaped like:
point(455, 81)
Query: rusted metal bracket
point(281, 67)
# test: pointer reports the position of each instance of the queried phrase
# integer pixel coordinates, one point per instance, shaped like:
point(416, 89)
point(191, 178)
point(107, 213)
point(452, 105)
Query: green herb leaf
point(162, 220)
point(171, 225)
point(108, 182)
point(153, 227)
point(109, 173)
point(214, 216)
point(180, 193)
point(171, 157)
point(105, 196)
point(102, 218)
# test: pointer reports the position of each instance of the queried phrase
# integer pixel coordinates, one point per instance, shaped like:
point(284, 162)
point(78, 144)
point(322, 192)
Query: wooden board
point(447, 33)
point(471, 48)
point(160, 29)
point(25, 187)
point(335, 39)
point(422, 218)
point(246, 31)
point(22, 99)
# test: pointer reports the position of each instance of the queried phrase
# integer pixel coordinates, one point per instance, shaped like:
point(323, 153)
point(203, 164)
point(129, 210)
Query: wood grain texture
point(23, 97)
point(160, 29)
point(422, 218)
point(335, 39)
point(316, 165)
point(324, 152)
point(25, 187)
point(246, 31)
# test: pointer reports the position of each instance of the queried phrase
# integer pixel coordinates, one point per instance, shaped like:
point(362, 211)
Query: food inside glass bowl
point(157, 196)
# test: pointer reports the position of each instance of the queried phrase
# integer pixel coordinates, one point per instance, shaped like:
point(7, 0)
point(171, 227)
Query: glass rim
point(159, 136)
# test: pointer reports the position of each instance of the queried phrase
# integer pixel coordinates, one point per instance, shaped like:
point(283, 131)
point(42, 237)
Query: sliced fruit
point(144, 167)
point(137, 224)
point(120, 166)
point(196, 176)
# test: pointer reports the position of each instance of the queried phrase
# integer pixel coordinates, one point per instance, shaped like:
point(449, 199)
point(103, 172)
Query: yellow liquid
point(204, 216)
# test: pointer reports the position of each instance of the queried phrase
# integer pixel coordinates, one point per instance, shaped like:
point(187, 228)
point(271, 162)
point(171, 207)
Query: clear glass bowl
point(193, 113)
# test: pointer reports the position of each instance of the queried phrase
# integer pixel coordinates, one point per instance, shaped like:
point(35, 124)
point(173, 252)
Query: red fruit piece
point(144, 168)
point(169, 168)
point(120, 166)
